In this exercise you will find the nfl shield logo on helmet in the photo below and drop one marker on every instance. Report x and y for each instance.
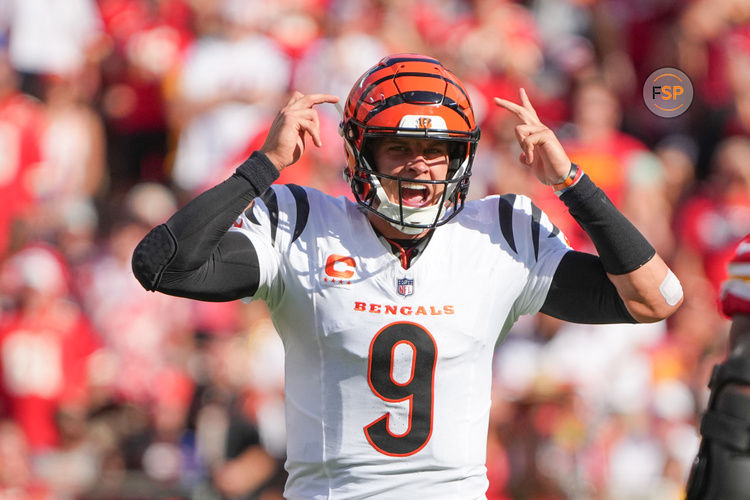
(405, 286)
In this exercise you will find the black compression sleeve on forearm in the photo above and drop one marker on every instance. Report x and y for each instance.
(621, 247)
(191, 254)
(581, 292)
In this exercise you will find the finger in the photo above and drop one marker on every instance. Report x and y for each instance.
(311, 100)
(509, 105)
(528, 149)
(530, 142)
(311, 127)
(316, 124)
(521, 138)
(296, 96)
(524, 130)
(307, 116)
(321, 98)
(314, 131)
(520, 112)
(527, 136)
(527, 103)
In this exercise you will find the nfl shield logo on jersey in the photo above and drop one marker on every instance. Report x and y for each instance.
(405, 286)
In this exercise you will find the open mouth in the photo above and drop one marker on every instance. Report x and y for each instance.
(414, 194)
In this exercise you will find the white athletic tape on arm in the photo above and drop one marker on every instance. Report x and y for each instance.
(671, 289)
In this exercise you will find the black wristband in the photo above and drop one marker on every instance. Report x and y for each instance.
(621, 247)
(259, 171)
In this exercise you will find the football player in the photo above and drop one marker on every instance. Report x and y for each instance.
(722, 468)
(390, 307)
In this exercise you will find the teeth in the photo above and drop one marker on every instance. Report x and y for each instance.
(410, 185)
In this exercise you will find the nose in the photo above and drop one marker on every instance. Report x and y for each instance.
(418, 163)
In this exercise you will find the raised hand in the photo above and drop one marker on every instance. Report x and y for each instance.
(298, 119)
(542, 151)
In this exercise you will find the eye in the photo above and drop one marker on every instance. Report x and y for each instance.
(437, 150)
(396, 148)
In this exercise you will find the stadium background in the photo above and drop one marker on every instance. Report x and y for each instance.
(115, 112)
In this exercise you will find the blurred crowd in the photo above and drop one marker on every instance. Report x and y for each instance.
(113, 113)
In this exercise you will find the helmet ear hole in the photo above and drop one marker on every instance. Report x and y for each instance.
(351, 132)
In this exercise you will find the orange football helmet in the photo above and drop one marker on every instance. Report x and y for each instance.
(409, 95)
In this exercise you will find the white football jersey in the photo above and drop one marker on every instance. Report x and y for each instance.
(388, 370)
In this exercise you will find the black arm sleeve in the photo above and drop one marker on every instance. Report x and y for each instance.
(192, 255)
(581, 292)
(621, 247)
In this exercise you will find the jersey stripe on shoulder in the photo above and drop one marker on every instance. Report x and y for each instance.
(505, 211)
(272, 204)
(536, 228)
(303, 209)
(250, 215)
